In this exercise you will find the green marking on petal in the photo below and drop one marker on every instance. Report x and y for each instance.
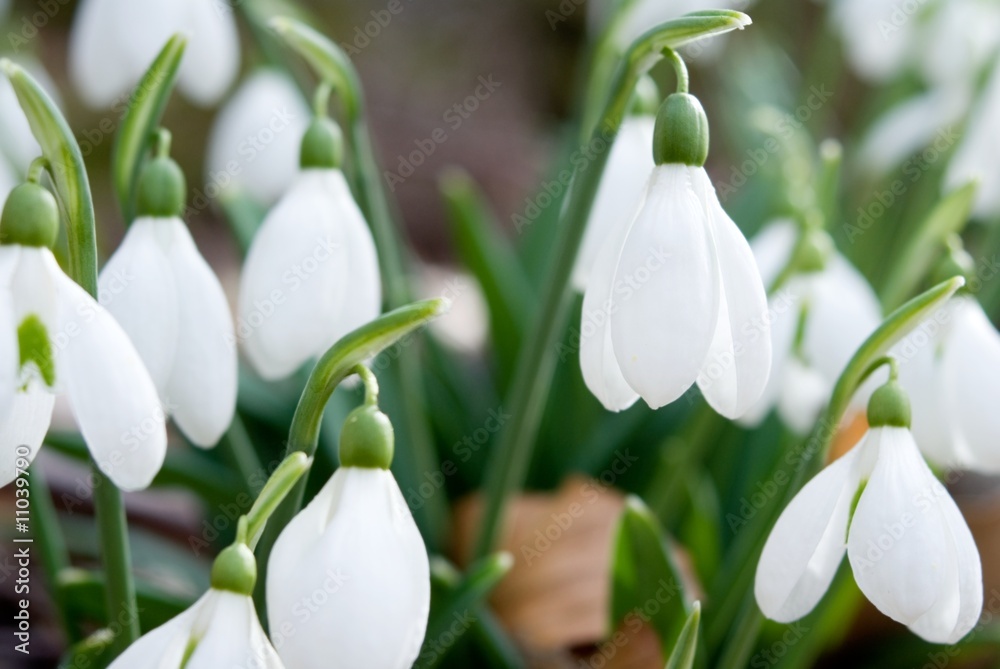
(33, 339)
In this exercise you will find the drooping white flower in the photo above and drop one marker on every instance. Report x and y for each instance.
(975, 155)
(951, 368)
(675, 297)
(630, 162)
(959, 37)
(254, 144)
(876, 45)
(356, 548)
(113, 42)
(218, 631)
(172, 306)
(818, 320)
(311, 275)
(55, 338)
(910, 549)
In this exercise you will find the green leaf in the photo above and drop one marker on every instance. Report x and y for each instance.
(277, 487)
(684, 651)
(947, 218)
(645, 580)
(493, 261)
(459, 608)
(69, 174)
(244, 217)
(35, 346)
(142, 118)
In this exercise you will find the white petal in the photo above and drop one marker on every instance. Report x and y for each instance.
(598, 363)
(356, 547)
(904, 548)
(9, 350)
(201, 394)
(619, 193)
(912, 126)
(212, 60)
(975, 156)
(230, 635)
(109, 390)
(99, 66)
(666, 291)
(25, 426)
(804, 394)
(959, 38)
(876, 47)
(736, 369)
(34, 288)
(267, 105)
(772, 248)
(296, 276)
(971, 360)
(803, 551)
(164, 646)
(137, 287)
(363, 298)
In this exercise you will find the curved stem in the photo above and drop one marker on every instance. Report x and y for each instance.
(680, 68)
(163, 140)
(321, 99)
(35, 169)
(371, 383)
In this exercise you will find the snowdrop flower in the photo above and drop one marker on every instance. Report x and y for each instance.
(218, 631)
(910, 549)
(311, 274)
(952, 372)
(55, 338)
(819, 318)
(112, 42)
(254, 144)
(357, 543)
(675, 296)
(877, 45)
(622, 183)
(172, 306)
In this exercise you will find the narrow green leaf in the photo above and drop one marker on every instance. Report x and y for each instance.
(277, 487)
(142, 117)
(69, 174)
(645, 579)
(684, 651)
(947, 218)
(493, 261)
(461, 606)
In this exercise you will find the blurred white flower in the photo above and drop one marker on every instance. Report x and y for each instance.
(311, 275)
(254, 144)
(620, 191)
(951, 368)
(840, 310)
(171, 305)
(959, 37)
(113, 42)
(466, 327)
(357, 544)
(218, 631)
(55, 338)
(975, 157)
(910, 549)
(675, 297)
(18, 146)
(878, 35)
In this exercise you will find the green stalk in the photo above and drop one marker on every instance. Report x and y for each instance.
(69, 175)
(536, 365)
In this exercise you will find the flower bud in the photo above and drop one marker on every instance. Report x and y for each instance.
(30, 217)
(322, 145)
(889, 406)
(162, 189)
(367, 439)
(235, 570)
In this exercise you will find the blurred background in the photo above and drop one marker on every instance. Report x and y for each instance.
(902, 89)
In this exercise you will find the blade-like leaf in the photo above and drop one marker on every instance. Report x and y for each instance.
(684, 651)
(69, 174)
(142, 117)
(645, 581)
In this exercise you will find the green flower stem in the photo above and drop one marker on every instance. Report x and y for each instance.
(35, 169)
(55, 556)
(738, 599)
(509, 459)
(404, 376)
(69, 175)
(281, 482)
(680, 69)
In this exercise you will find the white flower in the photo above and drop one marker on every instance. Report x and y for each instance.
(356, 546)
(841, 310)
(909, 547)
(78, 349)
(172, 306)
(258, 132)
(975, 156)
(220, 631)
(113, 42)
(877, 46)
(619, 193)
(675, 297)
(951, 368)
(310, 277)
